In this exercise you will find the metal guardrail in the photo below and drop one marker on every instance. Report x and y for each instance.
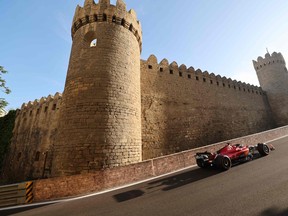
(16, 194)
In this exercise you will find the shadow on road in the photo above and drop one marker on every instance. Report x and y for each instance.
(17, 210)
(183, 178)
(167, 183)
(274, 212)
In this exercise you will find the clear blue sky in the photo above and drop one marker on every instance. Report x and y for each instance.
(220, 36)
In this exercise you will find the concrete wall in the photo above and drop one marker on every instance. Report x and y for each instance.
(183, 108)
(54, 188)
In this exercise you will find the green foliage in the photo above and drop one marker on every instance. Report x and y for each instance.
(6, 129)
(3, 88)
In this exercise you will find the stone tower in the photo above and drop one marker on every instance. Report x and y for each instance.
(100, 117)
(273, 78)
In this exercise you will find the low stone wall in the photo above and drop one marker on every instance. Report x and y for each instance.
(56, 188)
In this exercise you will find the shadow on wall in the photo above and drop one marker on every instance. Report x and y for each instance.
(166, 184)
(274, 211)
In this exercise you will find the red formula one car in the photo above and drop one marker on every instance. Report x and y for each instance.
(231, 154)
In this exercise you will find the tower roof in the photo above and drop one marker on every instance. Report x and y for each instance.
(268, 60)
(103, 11)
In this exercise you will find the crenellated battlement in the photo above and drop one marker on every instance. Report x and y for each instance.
(52, 102)
(106, 12)
(202, 76)
(268, 60)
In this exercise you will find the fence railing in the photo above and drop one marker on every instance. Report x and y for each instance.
(16, 194)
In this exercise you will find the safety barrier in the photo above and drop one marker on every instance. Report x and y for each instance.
(16, 194)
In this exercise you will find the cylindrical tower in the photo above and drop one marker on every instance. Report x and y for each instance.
(100, 117)
(273, 78)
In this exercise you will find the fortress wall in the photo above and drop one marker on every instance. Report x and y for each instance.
(183, 108)
(33, 135)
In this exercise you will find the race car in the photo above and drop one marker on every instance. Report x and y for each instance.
(231, 154)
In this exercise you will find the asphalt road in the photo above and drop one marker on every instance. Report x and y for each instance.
(259, 188)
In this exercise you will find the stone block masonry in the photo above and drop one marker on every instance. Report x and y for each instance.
(183, 108)
(100, 118)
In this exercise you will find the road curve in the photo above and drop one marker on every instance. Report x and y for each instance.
(256, 188)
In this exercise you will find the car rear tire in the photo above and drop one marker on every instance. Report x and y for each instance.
(263, 149)
(201, 163)
(224, 162)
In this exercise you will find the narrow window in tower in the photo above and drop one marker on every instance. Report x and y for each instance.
(204, 79)
(123, 22)
(229, 86)
(46, 108)
(131, 27)
(171, 71)
(180, 74)
(87, 19)
(104, 18)
(223, 84)
(211, 81)
(30, 112)
(189, 76)
(197, 78)
(54, 107)
(95, 17)
(217, 83)
(114, 19)
(93, 43)
(161, 69)
(150, 66)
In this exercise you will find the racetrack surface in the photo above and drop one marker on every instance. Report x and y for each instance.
(259, 188)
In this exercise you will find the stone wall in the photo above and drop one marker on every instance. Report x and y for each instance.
(31, 150)
(273, 77)
(60, 187)
(100, 116)
(184, 109)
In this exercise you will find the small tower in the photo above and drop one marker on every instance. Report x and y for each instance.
(100, 117)
(273, 78)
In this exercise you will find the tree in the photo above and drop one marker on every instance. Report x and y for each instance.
(3, 88)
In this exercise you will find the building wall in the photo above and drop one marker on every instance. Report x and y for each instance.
(31, 150)
(183, 108)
